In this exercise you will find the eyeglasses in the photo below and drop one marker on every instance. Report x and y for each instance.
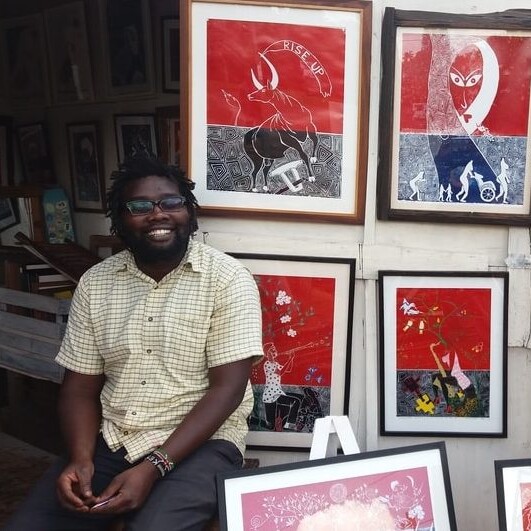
(141, 207)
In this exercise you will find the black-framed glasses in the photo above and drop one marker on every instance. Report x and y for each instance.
(140, 207)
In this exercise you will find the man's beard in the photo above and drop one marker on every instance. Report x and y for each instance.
(145, 252)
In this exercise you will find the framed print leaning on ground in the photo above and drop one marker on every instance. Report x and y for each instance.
(398, 488)
(513, 493)
(443, 353)
(86, 169)
(307, 307)
(455, 117)
(277, 106)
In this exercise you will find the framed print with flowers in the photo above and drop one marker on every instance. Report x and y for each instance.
(443, 353)
(450, 148)
(396, 488)
(307, 307)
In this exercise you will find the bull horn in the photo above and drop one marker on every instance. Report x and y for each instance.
(274, 74)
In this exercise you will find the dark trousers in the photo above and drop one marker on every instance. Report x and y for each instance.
(185, 499)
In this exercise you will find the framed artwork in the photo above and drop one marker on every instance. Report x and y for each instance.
(8, 214)
(398, 488)
(86, 167)
(448, 150)
(35, 154)
(443, 353)
(513, 493)
(23, 54)
(168, 126)
(170, 54)
(6, 151)
(135, 135)
(68, 48)
(277, 107)
(307, 308)
(128, 47)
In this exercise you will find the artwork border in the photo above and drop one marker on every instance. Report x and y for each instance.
(121, 120)
(168, 128)
(388, 205)
(6, 151)
(343, 271)
(350, 208)
(82, 94)
(92, 128)
(393, 424)
(16, 97)
(167, 25)
(509, 475)
(131, 89)
(232, 486)
(39, 172)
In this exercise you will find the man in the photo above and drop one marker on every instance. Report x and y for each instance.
(158, 349)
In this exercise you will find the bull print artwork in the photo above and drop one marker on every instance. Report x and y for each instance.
(275, 109)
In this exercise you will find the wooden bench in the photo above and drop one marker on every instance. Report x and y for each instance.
(31, 330)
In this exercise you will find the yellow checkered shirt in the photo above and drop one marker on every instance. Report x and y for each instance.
(156, 340)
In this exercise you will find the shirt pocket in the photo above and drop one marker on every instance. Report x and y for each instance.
(183, 346)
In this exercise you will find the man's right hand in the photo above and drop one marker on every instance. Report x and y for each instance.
(74, 488)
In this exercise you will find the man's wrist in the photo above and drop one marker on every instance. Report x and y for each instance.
(161, 461)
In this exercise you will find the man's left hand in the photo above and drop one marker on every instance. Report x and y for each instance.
(127, 491)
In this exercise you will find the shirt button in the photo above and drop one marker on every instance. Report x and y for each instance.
(143, 382)
(150, 318)
(133, 412)
(148, 351)
(126, 433)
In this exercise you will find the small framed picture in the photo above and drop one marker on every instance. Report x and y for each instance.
(443, 353)
(86, 168)
(513, 493)
(6, 151)
(399, 488)
(170, 54)
(307, 309)
(135, 135)
(169, 129)
(23, 54)
(127, 45)
(35, 154)
(68, 48)
(8, 214)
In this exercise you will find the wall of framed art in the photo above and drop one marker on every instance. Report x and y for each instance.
(384, 203)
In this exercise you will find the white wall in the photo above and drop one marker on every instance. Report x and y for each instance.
(378, 245)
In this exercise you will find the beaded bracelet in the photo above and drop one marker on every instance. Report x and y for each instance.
(161, 461)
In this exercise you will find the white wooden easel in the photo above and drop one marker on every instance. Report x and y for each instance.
(326, 433)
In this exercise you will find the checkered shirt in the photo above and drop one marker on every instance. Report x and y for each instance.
(155, 342)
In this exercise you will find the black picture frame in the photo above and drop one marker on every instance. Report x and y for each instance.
(443, 353)
(362, 486)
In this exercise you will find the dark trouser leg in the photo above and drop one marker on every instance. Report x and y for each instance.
(186, 499)
(41, 510)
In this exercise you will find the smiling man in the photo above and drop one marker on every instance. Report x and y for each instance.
(158, 349)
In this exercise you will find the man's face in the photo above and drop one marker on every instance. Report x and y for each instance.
(158, 236)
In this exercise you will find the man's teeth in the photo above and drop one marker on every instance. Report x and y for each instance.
(159, 232)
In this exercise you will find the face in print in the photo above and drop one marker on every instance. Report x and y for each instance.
(473, 83)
